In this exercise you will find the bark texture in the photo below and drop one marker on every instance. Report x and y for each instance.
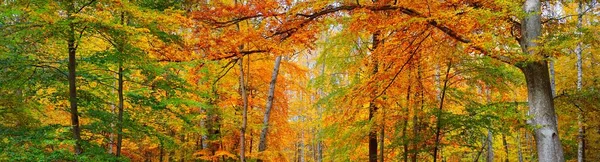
(541, 105)
(244, 113)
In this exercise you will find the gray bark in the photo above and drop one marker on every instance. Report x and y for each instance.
(244, 113)
(490, 137)
(262, 145)
(552, 78)
(490, 148)
(541, 105)
(578, 52)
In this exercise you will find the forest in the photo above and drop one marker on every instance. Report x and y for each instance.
(300, 80)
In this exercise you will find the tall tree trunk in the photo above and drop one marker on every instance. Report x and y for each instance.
(416, 124)
(372, 106)
(72, 47)
(541, 105)
(244, 112)
(120, 94)
(262, 145)
(580, 116)
(439, 115)
(320, 111)
(405, 124)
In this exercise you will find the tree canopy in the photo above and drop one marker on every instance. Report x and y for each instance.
(310, 80)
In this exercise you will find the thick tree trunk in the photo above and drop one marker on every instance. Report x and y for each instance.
(72, 81)
(542, 110)
(541, 105)
(244, 113)
(262, 145)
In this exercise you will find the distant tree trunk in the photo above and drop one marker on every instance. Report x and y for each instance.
(416, 124)
(505, 148)
(490, 137)
(111, 138)
(439, 115)
(405, 124)
(519, 151)
(320, 111)
(552, 78)
(262, 145)
(538, 86)
(373, 107)
(251, 139)
(301, 148)
(120, 94)
(490, 148)
(72, 47)
(244, 112)
(161, 154)
(381, 137)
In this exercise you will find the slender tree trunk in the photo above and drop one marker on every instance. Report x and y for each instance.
(405, 124)
(320, 111)
(372, 107)
(381, 138)
(439, 115)
(490, 148)
(301, 148)
(72, 47)
(505, 148)
(416, 124)
(251, 139)
(538, 86)
(519, 150)
(244, 112)
(262, 145)
(161, 153)
(490, 137)
(552, 78)
(580, 116)
(120, 113)
(120, 93)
